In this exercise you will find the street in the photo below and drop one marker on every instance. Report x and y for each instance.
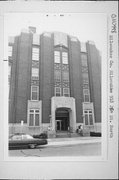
(93, 149)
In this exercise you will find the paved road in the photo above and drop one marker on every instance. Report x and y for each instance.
(69, 150)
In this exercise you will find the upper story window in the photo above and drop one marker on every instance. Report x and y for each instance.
(57, 75)
(56, 56)
(10, 50)
(36, 39)
(64, 57)
(83, 47)
(85, 77)
(86, 95)
(35, 72)
(35, 54)
(60, 39)
(65, 75)
(84, 59)
(88, 117)
(57, 91)
(66, 92)
(34, 92)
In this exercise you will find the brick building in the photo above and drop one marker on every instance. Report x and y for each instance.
(54, 81)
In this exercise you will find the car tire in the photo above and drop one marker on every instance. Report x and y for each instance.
(32, 146)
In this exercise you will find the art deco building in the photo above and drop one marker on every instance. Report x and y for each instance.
(54, 81)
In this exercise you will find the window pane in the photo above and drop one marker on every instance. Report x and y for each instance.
(86, 98)
(64, 57)
(83, 47)
(66, 92)
(35, 54)
(34, 96)
(65, 76)
(84, 60)
(31, 119)
(57, 91)
(86, 119)
(57, 57)
(36, 39)
(34, 88)
(57, 75)
(37, 111)
(31, 111)
(34, 92)
(85, 78)
(35, 72)
(36, 119)
(35, 50)
(91, 119)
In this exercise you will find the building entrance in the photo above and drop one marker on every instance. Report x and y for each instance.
(62, 119)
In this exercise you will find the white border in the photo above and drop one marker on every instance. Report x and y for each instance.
(50, 170)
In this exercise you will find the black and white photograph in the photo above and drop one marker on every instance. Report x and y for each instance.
(54, 77)
(59, 87)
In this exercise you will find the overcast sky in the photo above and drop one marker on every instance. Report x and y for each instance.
(85, 26)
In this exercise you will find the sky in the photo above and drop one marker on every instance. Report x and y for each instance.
(85, 26)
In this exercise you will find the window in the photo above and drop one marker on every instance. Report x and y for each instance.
(66, 92)
(86, 95)
(84, 59)
(10, 51)
(57, 75)
(35, 54)
(85, 78)
(34, 117)
(57, 91)
(64, 57)
(83, 47)
(65, 75)
(35, 73)
(36, 39)
(88, 117)
(34, 92)
(57, 57)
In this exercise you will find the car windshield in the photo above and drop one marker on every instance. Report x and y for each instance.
(21, 137)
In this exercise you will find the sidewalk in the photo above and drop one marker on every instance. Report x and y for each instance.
(73, 141)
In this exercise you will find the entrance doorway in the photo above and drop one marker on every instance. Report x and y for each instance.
(62, 119)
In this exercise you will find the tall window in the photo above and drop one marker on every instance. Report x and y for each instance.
(57, 75)
(85, 78)
(83, 47)
(34, 92)
(35, 73)
(84, 59)
(66, 92)
(34, 117)
(36, 39)
(35, 54)
(65, 75)
(57, 91)
(86, 95)
(64, 57)
(56, 56)
(88, 117)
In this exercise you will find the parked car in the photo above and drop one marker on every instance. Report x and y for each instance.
(97, 134)
(41, 136)
(25, 140)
